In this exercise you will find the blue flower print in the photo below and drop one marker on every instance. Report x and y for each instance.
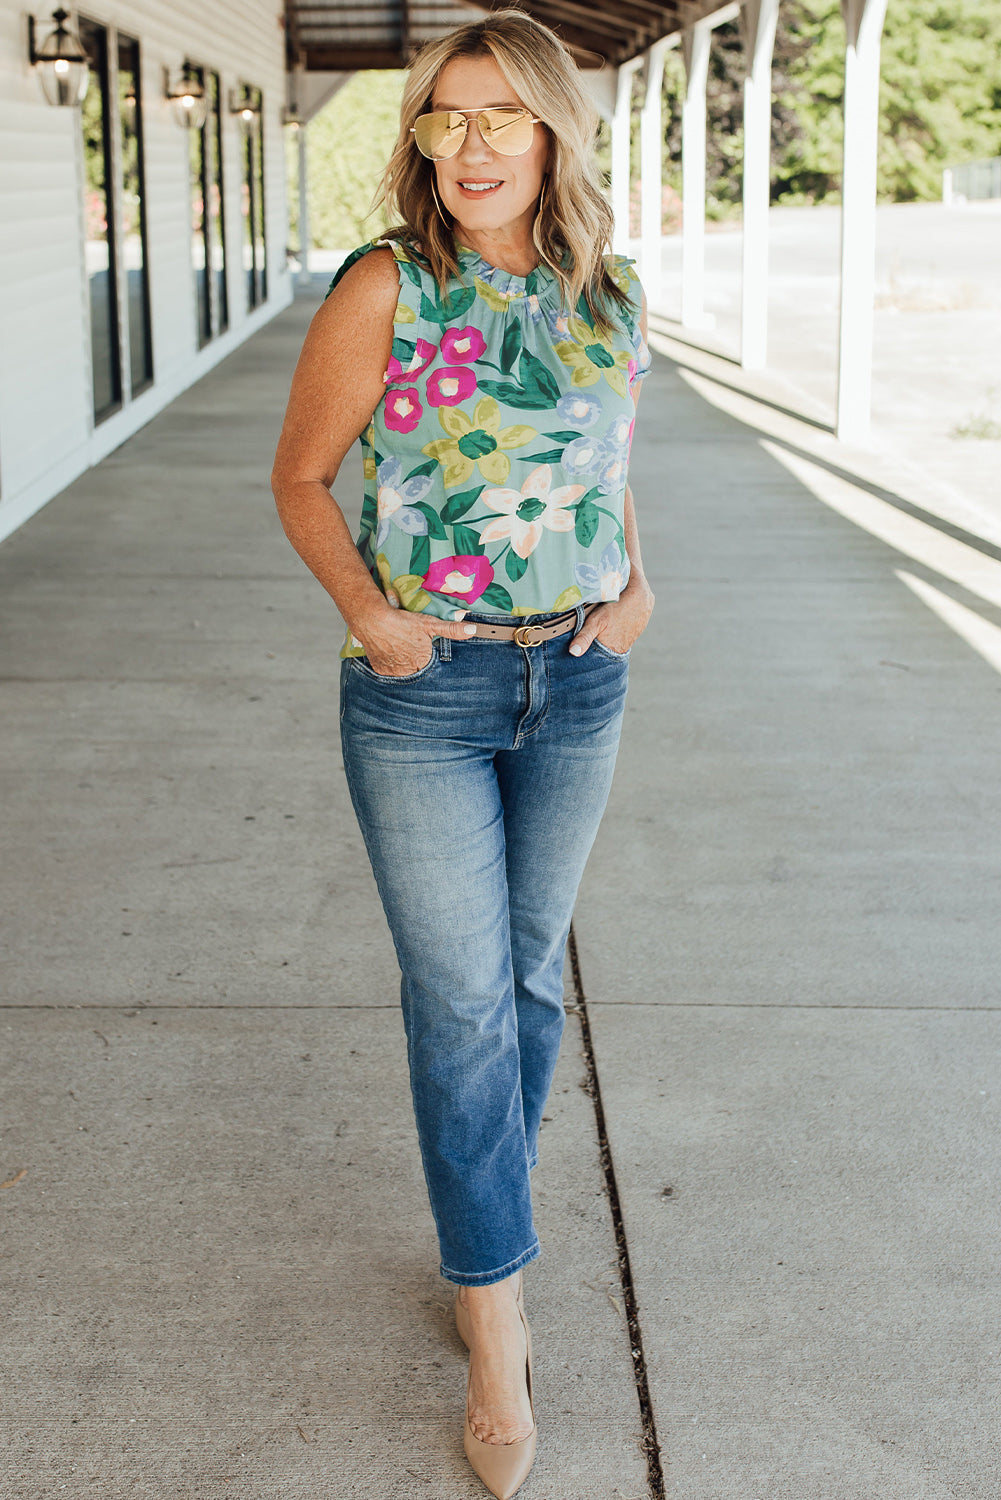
(620, 432)
(578, 409)
(397, 501)
(608, 578)
(583, 456)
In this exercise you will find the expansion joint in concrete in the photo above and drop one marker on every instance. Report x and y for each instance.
(655, 1471)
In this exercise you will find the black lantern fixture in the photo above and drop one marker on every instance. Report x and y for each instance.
(245, 103)
(61, 62)
(187, 98)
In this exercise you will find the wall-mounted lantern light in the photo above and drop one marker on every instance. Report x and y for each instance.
(187, 97)
(245, 102)
(61, 61)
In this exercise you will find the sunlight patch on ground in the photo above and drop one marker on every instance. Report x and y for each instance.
(984, 637)
(915, 539)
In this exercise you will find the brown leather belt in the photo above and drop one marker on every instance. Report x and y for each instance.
(530, 635)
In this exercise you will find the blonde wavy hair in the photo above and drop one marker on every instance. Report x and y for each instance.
(573, 226)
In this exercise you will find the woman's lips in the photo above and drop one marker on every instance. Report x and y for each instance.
(479, 190)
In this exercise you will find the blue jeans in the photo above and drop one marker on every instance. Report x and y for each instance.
(479, 783)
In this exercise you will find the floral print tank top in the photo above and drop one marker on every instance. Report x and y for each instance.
(495, 465)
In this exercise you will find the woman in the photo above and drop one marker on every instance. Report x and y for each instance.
(487, 353)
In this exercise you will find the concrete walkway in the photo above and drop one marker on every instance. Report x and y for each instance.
(218, 1266)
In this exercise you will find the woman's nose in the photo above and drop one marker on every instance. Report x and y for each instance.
(474, 146)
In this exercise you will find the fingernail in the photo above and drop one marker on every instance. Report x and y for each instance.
(576, 650)
(458, 614)
(469, 630)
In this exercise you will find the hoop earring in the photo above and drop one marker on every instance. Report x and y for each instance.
(437, 204)
(542, 197)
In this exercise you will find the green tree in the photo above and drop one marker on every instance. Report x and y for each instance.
(348, 145)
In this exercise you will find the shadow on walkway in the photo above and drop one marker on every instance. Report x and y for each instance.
(219, 1263)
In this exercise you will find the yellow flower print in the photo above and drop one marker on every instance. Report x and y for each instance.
(477, 440)
(621, 275)
(368, 462)
(589, 357)
(524, 512)
(496, 301)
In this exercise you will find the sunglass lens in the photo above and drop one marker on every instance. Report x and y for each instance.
(439, 134)
(508, 131)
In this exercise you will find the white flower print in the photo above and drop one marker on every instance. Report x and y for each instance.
(525, 512)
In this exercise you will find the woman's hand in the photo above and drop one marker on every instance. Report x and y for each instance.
(617, 624)
(398, 643)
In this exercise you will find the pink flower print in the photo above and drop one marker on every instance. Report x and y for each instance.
(450, 386)
(423, 355)
(524, 512)
(462, 577)
(459, 346)
(403, 411)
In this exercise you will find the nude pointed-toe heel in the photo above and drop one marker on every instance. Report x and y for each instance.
(462, 1313)
(504, 1467)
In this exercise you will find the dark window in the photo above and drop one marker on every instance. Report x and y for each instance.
(208, 239)
(134, 216)
(99, 231)
(254, 238)
(200, 253)
(217, 216)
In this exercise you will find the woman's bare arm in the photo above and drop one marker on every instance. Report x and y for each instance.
(337, 385)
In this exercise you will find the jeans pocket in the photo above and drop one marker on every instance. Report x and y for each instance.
(361, 664)
(607, 651)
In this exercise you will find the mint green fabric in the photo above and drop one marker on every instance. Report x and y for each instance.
(495, 465)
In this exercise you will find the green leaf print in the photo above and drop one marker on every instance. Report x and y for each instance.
(369, 514)
(404, 351)
(512, 395)
(498, 598)
(515, 567)
(435, 528)
(510, 347)
(551, 456)
(409, 270)
(420, 555)
(466, 542)
(443, 312)
(563, 437)
(587, 523)
(426, 468)
(534, 372)
(457, 505)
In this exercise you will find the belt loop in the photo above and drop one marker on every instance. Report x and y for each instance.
(444, 648)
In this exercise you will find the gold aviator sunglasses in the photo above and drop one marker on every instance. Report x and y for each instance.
(441, 133)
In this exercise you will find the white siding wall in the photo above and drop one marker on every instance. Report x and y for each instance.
(47, 433)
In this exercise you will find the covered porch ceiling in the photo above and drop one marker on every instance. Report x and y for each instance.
(342, 36)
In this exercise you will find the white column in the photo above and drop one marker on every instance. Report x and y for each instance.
(758, 18)
(620, 153)
(303, 278)
(652, 171)
(864, 25)
(695, 46)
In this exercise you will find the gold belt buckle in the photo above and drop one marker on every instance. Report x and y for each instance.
(524, 637)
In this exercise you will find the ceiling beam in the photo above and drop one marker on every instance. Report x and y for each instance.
(590, 17)
(340, 59)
